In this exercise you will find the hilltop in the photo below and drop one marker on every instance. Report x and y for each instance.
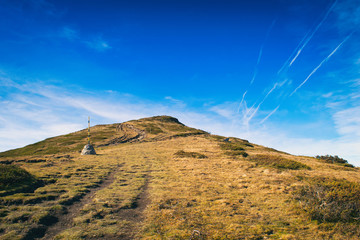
(155, 178)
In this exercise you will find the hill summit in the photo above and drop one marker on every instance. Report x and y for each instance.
(155, 178)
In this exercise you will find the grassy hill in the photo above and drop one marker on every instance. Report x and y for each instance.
(155, 178)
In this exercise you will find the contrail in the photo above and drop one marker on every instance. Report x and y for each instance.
(322, 62)
(269, 115)
(242, 100)
(249, 113)
(308, 36)
(312, 34)
(261, 51)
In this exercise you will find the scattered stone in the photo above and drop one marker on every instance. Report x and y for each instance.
(88, 150)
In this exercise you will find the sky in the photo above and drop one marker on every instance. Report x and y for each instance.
(283, 74)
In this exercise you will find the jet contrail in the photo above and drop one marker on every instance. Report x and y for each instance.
(242, 100)
(249, 113)
(261, 51)
(269, 115)
(322, 62)
(308, 36)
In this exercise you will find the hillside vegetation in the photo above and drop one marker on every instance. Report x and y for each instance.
(155, 178)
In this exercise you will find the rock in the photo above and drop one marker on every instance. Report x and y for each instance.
(88, 150)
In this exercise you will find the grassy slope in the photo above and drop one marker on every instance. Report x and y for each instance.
(224, 195)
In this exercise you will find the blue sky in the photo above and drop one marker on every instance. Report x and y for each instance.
(284, 74)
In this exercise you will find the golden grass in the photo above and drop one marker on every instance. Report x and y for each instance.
(222, 196)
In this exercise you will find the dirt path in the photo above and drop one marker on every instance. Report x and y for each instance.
(130, 133)
(65, 221)
(134, 216)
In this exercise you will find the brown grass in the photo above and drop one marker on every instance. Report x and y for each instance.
(219, 197)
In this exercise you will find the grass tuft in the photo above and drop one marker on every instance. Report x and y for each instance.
(183, 154)
(237, 153)
(232, 146)
(277, 162)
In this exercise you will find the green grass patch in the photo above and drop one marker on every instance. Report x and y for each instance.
(152, 128)
(65, 143)
(183, 154)
(330, 200)
(165, 119)
(277, 162)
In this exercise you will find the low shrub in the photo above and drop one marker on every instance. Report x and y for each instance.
(330, 200)
(237, 153)
(13, 176)
(335, 160)
(182, 154)
(232, 146)
(277, 162)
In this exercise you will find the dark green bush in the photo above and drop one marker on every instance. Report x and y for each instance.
(237, 153)
(335, 160)
(232, 146)
(277, 162)
(330, 200)
(182, 153)
(13, 176)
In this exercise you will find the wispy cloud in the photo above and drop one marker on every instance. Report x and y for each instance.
(348, 15)
(96, 42)
(99, 44)
(347, 121)
(177, 102)
(36, 110)
(69, 33)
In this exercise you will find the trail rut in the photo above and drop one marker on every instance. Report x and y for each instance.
(66, 220)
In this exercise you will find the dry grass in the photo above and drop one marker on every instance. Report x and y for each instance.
(223, 196)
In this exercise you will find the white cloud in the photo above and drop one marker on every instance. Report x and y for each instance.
(177, 102)
(348, 121)
(37, 111)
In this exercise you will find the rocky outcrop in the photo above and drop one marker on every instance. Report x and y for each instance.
(88, 150)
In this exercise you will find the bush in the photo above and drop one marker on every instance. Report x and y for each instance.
(237, 153)
(232, 146)
(14, 176)
(182, 154)
(330, 200)
(278, 162)
(334, 159)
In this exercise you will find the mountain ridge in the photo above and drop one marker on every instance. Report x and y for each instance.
(179, 183)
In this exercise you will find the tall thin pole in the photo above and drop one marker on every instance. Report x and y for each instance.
(89, 130)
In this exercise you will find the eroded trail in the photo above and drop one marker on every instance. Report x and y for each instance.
(114, 209)
(65, 220)
(132, 217)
